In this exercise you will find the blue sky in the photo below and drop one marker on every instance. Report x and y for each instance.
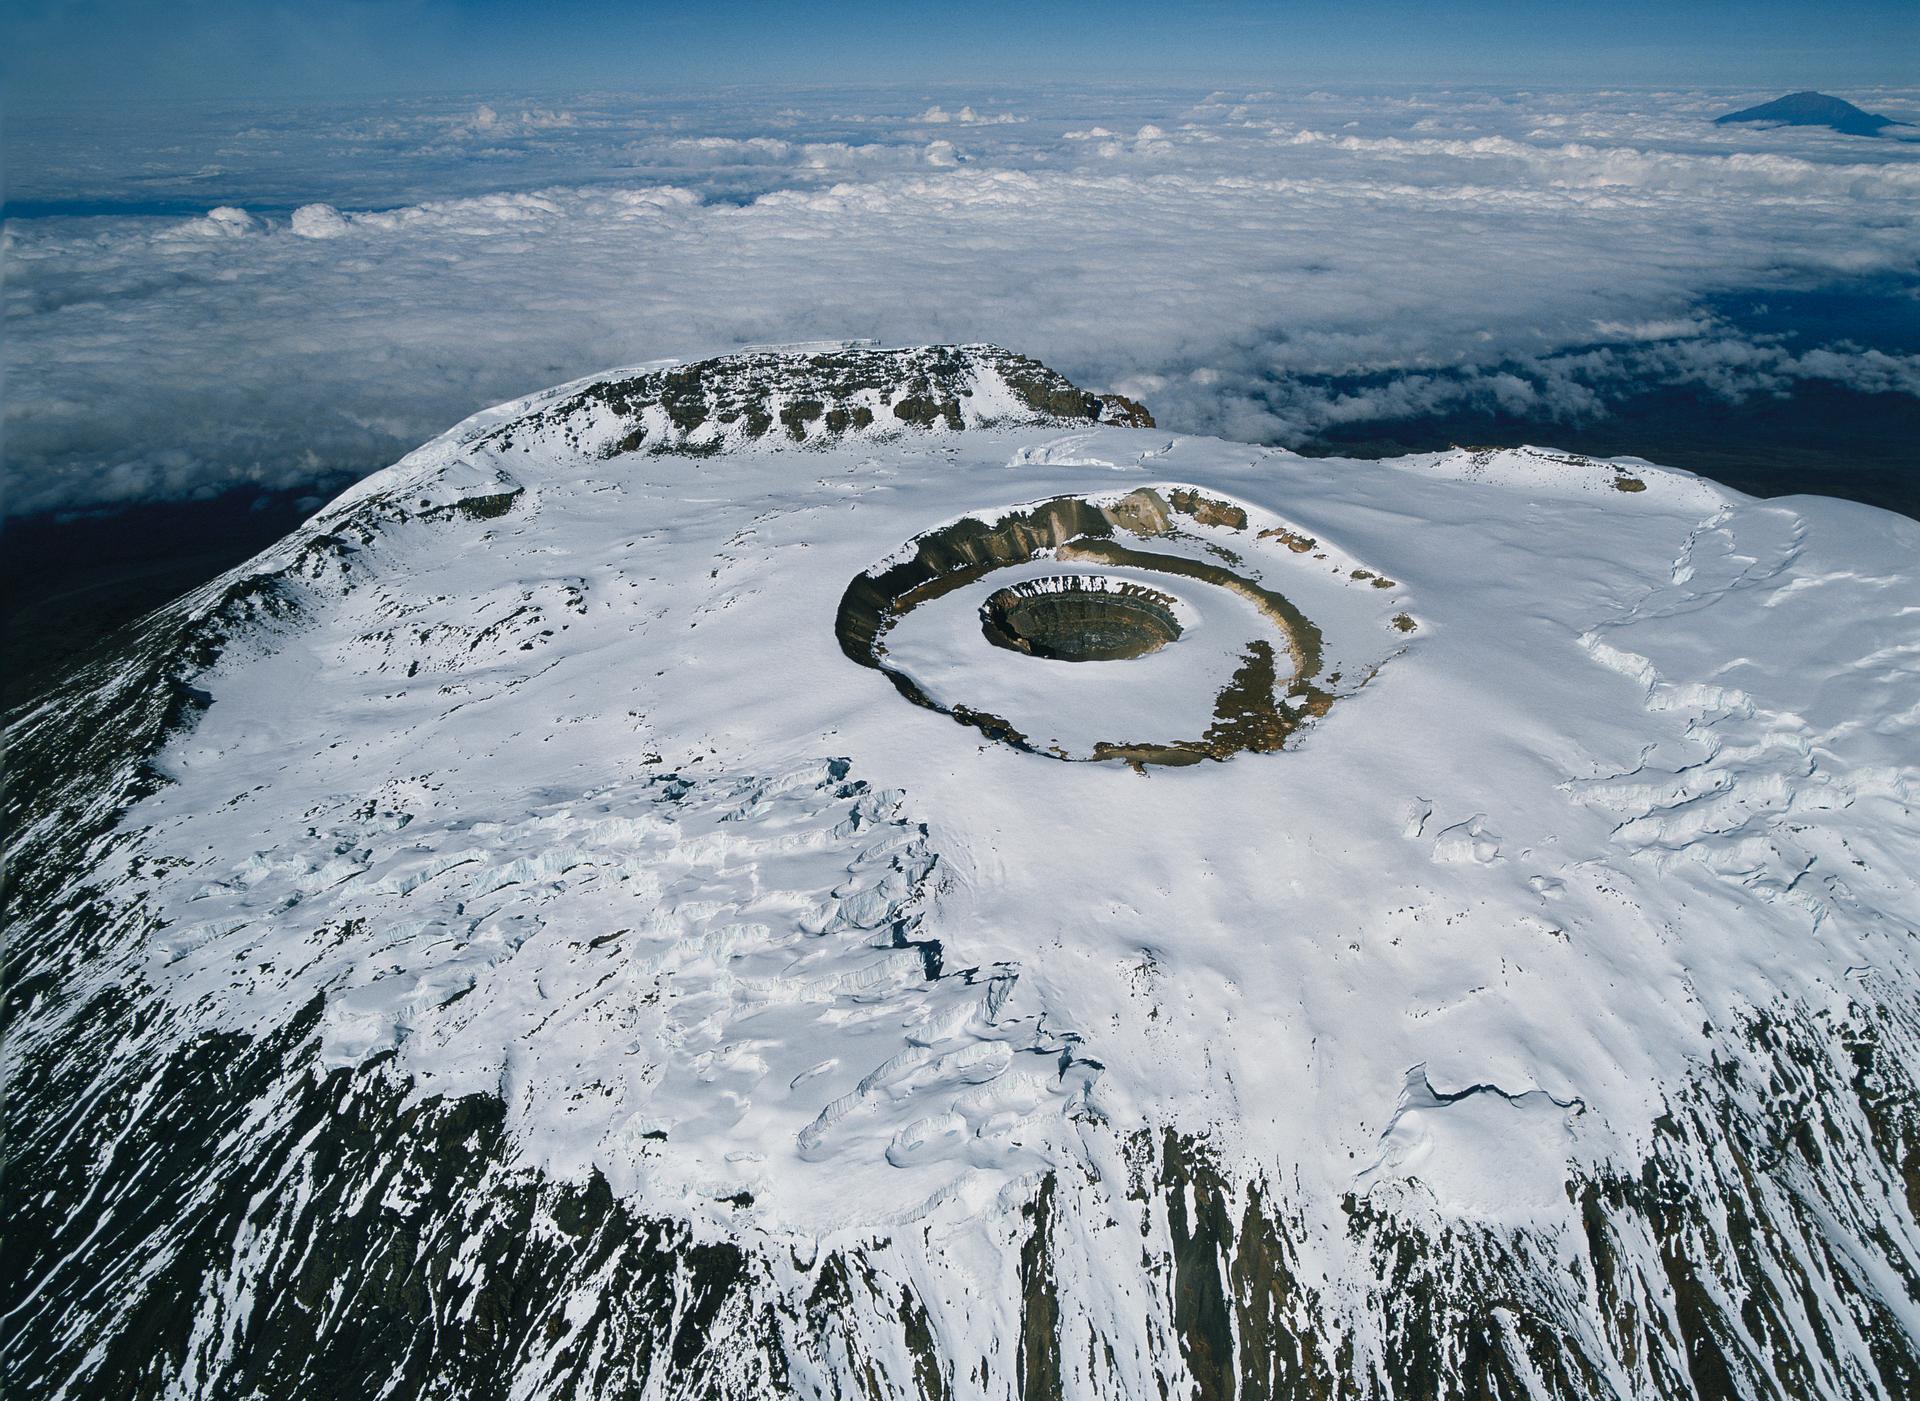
(89, 49)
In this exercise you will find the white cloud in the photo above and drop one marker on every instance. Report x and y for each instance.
(485, 122)
(1260, 269)
(319, 221)
(937, 115)
(222, 222)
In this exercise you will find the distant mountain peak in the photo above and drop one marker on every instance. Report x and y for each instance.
(1814, 109)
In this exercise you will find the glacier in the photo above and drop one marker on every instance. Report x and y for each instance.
(501, 941)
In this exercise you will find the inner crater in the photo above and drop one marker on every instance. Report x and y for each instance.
(1080, 618)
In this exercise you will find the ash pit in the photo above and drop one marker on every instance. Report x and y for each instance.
(1080, 618)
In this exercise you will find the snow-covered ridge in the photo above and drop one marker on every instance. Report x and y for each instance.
(499, 943)
(812, 393)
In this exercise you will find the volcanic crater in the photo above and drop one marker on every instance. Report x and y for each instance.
(1080, 618)
(1251, 679)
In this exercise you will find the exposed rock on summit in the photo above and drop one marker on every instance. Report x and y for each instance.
(814, 398)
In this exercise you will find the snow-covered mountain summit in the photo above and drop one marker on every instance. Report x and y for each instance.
(877, 872)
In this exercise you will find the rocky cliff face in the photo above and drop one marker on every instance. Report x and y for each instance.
(498, 943)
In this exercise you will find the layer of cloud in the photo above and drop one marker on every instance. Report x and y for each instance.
(1255, 266)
